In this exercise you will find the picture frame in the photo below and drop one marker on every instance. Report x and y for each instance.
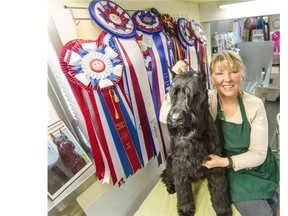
(66, 159)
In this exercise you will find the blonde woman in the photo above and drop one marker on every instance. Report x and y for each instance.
(252, 169)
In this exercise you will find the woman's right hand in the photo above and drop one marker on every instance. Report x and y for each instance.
(180, 66)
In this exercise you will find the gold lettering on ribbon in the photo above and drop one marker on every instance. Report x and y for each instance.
(124, 136)
(120, 125)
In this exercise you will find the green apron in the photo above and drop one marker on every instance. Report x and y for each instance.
(250, 183)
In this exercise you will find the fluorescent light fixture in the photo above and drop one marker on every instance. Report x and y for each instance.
(238, 5)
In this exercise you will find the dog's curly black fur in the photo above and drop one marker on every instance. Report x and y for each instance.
(193, 137)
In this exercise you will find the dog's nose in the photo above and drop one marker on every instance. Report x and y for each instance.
(177, 117)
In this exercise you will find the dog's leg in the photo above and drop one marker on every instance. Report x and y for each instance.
(218, 187)
(185, 199)
(167, 176)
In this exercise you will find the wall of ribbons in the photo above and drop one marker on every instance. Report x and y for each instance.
(119, 80)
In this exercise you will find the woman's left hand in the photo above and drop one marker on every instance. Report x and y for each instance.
(216, 161)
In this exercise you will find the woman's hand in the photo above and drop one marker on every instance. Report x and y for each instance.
(180, 66)
(216, 161)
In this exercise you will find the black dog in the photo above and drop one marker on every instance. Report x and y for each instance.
(193, 136)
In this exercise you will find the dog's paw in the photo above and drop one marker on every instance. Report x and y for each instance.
(171, 189)
(186, 210)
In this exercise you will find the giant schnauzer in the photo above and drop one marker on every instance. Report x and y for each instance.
(193, 137)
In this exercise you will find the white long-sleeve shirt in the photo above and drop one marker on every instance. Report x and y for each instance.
(257, 117)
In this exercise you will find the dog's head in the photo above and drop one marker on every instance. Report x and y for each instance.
(64, 144)
(188, 94)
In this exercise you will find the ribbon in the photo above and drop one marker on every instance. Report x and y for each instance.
(156, 51)
(161, 59)
(98, 158)
(201, 48)
(141, 100)
(184, 32)
(198, 32)
(154, 44)
(187, 39)
(170, 26)
(112, 18)
(97, 69)
(122, 130)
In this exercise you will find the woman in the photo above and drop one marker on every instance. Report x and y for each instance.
(241, 119)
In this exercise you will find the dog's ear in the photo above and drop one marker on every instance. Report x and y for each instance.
(201, 68)
(60, 131)
(52, 136)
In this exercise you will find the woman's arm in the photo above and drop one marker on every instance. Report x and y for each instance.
(257, 150)
(164, 110)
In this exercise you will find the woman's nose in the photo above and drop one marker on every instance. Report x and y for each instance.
(227, 76)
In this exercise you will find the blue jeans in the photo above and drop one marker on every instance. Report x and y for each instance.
(258, 207)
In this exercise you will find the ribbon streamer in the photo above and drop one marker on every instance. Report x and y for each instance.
(157, 53)
(119, 30)
(98, 69)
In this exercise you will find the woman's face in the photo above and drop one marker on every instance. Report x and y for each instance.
(227, 81)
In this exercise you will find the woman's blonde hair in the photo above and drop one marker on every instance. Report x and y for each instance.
(227, 59)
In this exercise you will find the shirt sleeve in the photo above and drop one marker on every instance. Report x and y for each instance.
(164, 110)
(257, 150)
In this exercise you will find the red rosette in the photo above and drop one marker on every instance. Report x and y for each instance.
(90, 65)
(169, 23)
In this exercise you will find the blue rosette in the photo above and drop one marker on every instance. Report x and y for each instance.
(147, 22)
(184, 33)
(112, 18)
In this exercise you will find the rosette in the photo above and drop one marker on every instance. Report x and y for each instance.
(112, 18)
(184, 32)
(169, 24)
(170, 27)
(201, 48)
(65, 53)
(198, 32)
(147, 22)
(94, 67)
